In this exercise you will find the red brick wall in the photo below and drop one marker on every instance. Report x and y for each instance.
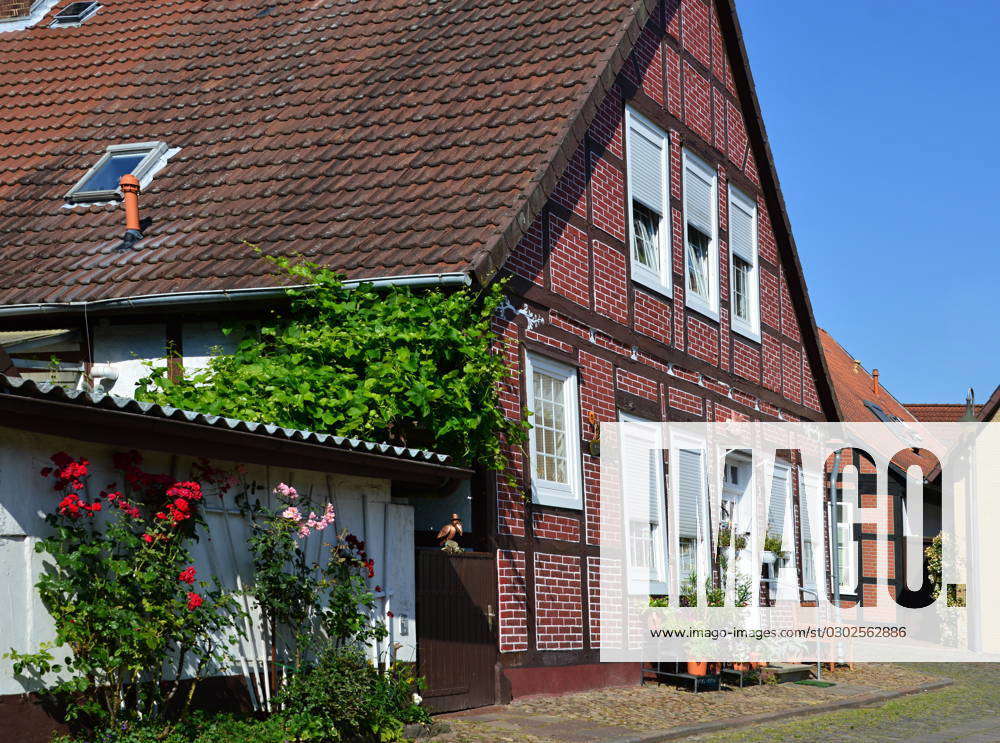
(552, 526)
(635, 348)
(14, 8)
(558, 602)
(513, 601)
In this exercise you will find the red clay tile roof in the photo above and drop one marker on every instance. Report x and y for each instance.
(379, 138)
(854, 385)
(938, 412)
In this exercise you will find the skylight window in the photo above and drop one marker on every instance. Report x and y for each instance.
(74, 14)
(100, 183)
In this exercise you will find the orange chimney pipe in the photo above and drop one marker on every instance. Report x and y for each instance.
(875, 381)
(129, 185)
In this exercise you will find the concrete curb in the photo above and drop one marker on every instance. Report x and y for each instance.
(702, 728)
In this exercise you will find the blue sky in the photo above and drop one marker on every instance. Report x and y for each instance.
(884, 120)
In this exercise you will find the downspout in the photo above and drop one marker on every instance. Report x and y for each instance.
(832, 510)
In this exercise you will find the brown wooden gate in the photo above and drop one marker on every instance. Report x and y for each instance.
(456, 621)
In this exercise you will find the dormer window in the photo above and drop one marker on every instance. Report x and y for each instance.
(100, 183)
(74, 14)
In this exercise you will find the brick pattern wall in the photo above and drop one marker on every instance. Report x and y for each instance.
(14, 8)
(513, 601)
(552, 526)
(558, 602)
(635, 348)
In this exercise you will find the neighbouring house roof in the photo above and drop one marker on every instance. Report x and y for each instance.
(98, 416)
(990, 411)
(20, 339)
(855, 389)
(938, 412)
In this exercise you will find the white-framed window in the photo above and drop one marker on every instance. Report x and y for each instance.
(808, 566)
(648, 198)
(645, 503)
(778, 502)
(74, 14)
(807, 484)
(690, 481)
(701, 255)
(554, 439)
(744, 297)
(688, 561)
(845, 552)
(100, 183)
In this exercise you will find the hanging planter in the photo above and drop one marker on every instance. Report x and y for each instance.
(769, 558)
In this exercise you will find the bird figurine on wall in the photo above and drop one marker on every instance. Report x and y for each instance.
(448, 535)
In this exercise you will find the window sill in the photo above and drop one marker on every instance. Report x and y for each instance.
(699, 305)
(640, 587)
(746, 332)
(655, 286)
(552, 500)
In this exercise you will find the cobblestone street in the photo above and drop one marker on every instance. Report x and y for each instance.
(969, 710)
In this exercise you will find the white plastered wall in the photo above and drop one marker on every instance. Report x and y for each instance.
(363, 506)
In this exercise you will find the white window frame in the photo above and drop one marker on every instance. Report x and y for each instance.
(844, 533)
(657, 281)
(547, 492)
(707, 306)
(702, 559)
(808, 565)
(749, 328)
(62, 23)
(655, 582)
(152, 152)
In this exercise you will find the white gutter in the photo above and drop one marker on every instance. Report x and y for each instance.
(216, 295)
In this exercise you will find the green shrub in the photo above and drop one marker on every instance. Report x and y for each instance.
(199, 728)
(344, 697)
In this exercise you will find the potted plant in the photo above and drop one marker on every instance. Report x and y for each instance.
(772, 549)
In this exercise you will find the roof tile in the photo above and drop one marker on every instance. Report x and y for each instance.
(379, 138)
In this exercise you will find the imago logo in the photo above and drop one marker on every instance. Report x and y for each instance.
(797, 540)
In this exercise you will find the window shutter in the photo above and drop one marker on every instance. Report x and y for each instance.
(646, 167)
(689, 489)
(642, 473)
(804, 510)
(698, 200)
(776, 506)
(741, 219)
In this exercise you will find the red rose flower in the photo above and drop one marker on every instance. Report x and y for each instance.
(194, 601)
(187, 576)
(61, 458)
(147, 538)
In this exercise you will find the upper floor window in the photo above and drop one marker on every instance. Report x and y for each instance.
(745, 294)
(701, 257)
(648, 202)
(554, 437)
(100, 183)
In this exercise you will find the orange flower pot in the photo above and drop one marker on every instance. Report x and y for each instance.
(697, 668)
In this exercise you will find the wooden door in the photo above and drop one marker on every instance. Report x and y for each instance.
(456, 621)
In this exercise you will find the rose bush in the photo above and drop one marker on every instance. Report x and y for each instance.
(124, 597)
